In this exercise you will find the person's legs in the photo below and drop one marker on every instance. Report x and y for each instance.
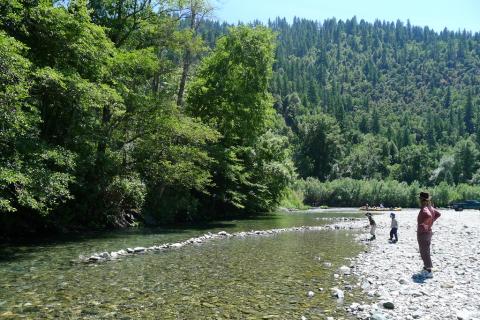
(394, 232)
(391, 234)
(424, 240)
(372, 231)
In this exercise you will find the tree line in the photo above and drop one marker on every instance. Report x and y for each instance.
(378, 101)
(112, 111)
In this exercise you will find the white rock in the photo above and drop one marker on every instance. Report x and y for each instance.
(345, 270)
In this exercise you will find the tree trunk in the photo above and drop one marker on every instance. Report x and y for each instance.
(183, 80)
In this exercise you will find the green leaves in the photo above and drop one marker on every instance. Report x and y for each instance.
(320, 147)
(33, 175)
(231, 89)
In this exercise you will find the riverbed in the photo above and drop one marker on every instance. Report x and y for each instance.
(235, 278)
(388, 271)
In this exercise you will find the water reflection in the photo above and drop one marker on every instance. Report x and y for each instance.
(235, 278)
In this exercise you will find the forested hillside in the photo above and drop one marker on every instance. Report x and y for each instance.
(378, 101)
(115, 112)
(398, 101)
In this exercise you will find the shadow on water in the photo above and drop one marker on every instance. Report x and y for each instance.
(23, 248)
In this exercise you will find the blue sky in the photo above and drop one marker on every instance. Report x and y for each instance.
(437, 14)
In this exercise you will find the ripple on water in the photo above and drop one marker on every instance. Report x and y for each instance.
(240, 278)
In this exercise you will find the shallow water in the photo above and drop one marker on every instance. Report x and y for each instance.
(235, 278)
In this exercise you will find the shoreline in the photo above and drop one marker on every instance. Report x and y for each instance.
(385, 270)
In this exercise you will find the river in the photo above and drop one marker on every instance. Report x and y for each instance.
(259, 277)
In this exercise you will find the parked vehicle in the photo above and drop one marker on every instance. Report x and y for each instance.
(467, 204)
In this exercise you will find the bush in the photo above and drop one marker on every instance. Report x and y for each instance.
(391, 193)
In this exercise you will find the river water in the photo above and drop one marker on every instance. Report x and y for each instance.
(258, 277)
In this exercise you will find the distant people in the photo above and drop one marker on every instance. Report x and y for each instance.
(381, 206)
(393, 228)
(373, 225)
(426, 218)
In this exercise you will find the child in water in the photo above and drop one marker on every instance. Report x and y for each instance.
(394, 228)
(373, 225)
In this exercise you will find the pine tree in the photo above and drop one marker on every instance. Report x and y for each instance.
(468, 115)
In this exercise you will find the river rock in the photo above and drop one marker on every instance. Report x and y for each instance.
(378, 316)
(417, 314)
(94, 259)
(354, 306)
(345, 270)
(310, 294)
(138, 249)
(337, 293)
(104, 255)
(348, 287)
(389, 305)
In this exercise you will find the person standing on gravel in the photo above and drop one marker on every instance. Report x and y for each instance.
(426, 217)
(373, 225)
(393, 228)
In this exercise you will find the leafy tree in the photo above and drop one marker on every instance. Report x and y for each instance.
(33, 174)
(365, 160)
(466, 160)
(230, 93)
(321, 146)
(415, 164)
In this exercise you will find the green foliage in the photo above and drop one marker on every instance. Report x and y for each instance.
(321, 145)
(94, 129)
(413, 89)
(350, 193)
(124, 195)
(366, 160)
(230, 93)
(33, 175)
(293, 198)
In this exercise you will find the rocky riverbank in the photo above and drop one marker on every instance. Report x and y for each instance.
(385, 270)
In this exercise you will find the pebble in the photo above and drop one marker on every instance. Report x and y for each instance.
(337, 293)
(385, 271)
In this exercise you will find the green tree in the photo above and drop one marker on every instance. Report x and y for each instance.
(321, 146)
(365, 160)
(415, 164)
(33, 174)
(468, 115)
(230, 94)
(466, 160)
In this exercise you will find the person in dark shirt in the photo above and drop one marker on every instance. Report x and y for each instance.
(393, 229)
(373, 225)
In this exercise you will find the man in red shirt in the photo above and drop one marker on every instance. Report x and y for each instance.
(426, 217)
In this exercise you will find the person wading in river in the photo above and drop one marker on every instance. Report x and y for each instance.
(426, 218)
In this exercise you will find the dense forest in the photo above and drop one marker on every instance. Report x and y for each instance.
(366, 103)
(114, 112)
